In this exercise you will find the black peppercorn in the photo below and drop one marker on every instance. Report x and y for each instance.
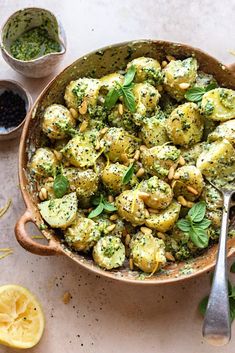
(12, 110)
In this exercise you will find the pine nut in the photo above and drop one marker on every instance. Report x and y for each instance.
(137, 155)
(159, 88)
(114, 217)
(152, 210)
(164, 63)
(104, 130)
(182, 200)
(43, 194)
(97, 145)
(181, 160)
(58, 155)
(50, 179)
(110, 198)
(190, 204)
(170, 58)
(176, 177)
(169, 256)
(171, 173)
(140, 172)
(74, 113)
(83, 108)
(184, 85)
(146, 212)
(83, 126)
(120, 109)
(143, 195)
(146, 231)
(131, 264)
(143, 148)
(111, 227)
(124, 158)
(127, 239)
(192, 190)
(161, 235)
(173, 183)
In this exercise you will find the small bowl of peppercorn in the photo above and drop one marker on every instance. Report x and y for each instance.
(33, 42)
(15, 103)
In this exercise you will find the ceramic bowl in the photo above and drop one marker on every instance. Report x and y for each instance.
(15, 87)
(22, 21)
(105, 61)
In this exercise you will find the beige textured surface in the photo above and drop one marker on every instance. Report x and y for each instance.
(105, 316)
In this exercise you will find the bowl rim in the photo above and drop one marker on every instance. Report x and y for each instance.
(28, 199)
(29, 102)
(62, 43)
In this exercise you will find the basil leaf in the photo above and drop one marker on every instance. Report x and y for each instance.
(60, 185)
(128, 98)
(232, 268)
(211, 86)
(203, 305)
(199, 237)
(197, 212)
(108, 206)
(194, 94)
(97, 211)
(112, 97)
(205, 223)
(96, 200)
(184, 225)
(129, 76)
(128, 174)
(232, 308)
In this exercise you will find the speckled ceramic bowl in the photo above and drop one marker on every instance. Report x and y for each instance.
(105, 61)
(15, 87)
(22, 21)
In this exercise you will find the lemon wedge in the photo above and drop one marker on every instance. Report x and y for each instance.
(21, 318)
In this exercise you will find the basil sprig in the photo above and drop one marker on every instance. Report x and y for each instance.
(195, 225)
(195, 93)
(60, 185)
(124, 91)
(127, 175)
(101, 205)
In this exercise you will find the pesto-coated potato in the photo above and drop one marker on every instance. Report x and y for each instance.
(112, 178)
(153, 132)
(188, 177)
(103, 222)
(158, 160)
(109, 252)
(123, 120)
(147, 69)
(146, 99)
(179, 72)
(56, 122)
(185, 125)
(219, 104)
(165, 219)
(215, 216)
(43, 163)
(203, 79)
(160, 193)
(131, 207)
(83, 234)
(147, 252)
(116, 143)
(224, 130)
(191, 154)
(80, 150)
(212, 197)
(84, 182)
(82, 89)
(110, 81)
(218, 160)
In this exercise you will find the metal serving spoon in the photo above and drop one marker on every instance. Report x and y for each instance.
(217, 325)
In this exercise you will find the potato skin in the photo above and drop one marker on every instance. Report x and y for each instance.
(147, 69)
(112, 178)
(224, 130)
(84, 182)
(56, 122)
(131, 207)
(153, 132)
(185, 125)
(43, 163)
(164, 220)
(219, 104)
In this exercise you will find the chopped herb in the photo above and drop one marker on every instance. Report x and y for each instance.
(60, 186)
(128, 174)
(102, 205)
(195, 93)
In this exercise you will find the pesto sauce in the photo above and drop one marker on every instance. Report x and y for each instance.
(33, 44)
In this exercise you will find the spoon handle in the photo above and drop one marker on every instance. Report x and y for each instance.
(217, 326)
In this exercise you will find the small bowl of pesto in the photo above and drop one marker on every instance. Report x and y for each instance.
(33, 42)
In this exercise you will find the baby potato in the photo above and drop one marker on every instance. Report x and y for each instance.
(147, 252)
(218, 160)
(189, 182)
(179, 76)
(191, 154)
(224, 130)
(123, 120)
(118, 144)
(56, 121)
(80, 150)
(147, 69)
(203, 79)
(158, 160)
(165, 219)
(146, 98)
(131, 207)
(83, 89)
(185, 125)
(83, 234)
(212, 197)
(43, 163)
(103, 223)
(84, 182)
(110, 81)
(112, 178)
(215, 216)
(160, 193)
(153, 132)
(219, 104)
(109, 252)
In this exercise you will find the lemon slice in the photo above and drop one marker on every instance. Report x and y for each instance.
(21, 318)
